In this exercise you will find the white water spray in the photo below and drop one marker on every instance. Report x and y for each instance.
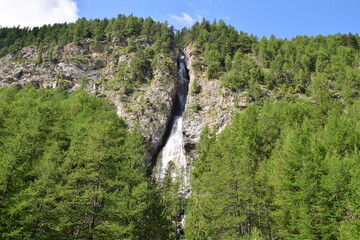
(173, 150)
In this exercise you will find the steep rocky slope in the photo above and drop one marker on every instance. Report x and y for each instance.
(207, 104)
(95, 68)
(147, 107)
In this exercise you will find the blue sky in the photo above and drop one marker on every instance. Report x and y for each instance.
(284, 19)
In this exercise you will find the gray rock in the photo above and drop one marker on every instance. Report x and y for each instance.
(213, 106)
(29, 52)
(72, 67)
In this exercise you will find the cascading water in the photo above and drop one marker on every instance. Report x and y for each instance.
(173, 151)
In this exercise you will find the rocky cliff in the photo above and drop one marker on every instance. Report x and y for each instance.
(207, 104)
(95, 68)
(146, 106)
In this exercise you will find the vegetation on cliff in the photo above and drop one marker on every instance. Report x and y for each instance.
(243, 62)
(123, 29)
(287, 167)
(283, 170)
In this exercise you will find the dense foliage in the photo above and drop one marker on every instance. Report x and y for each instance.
(122, 29)
(242, 61)
(286, 168)
(280, 171)
(69, 169)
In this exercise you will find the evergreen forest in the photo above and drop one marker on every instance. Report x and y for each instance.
(287, 167)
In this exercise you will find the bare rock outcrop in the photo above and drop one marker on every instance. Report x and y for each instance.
(94, 69)
(207, 104)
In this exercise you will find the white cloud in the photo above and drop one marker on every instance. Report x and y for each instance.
(33, 13)
(185, 19)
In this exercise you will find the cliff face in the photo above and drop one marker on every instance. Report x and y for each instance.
(146, 107)
(148, 104)
(64, 66)
(151, 107)
(207, 104)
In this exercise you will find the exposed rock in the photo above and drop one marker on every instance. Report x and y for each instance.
(91, 67)
(49, 84)
(151, 108)
(212, 106)
(3, 84)
(7, 58)
(73, 50)
(29, 52)
(148, 108)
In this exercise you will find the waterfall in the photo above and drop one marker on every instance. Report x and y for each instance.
(173, 151)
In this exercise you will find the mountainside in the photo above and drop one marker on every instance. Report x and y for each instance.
(270, 130)
(135, 74)
(209, 104)
(132, 61)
